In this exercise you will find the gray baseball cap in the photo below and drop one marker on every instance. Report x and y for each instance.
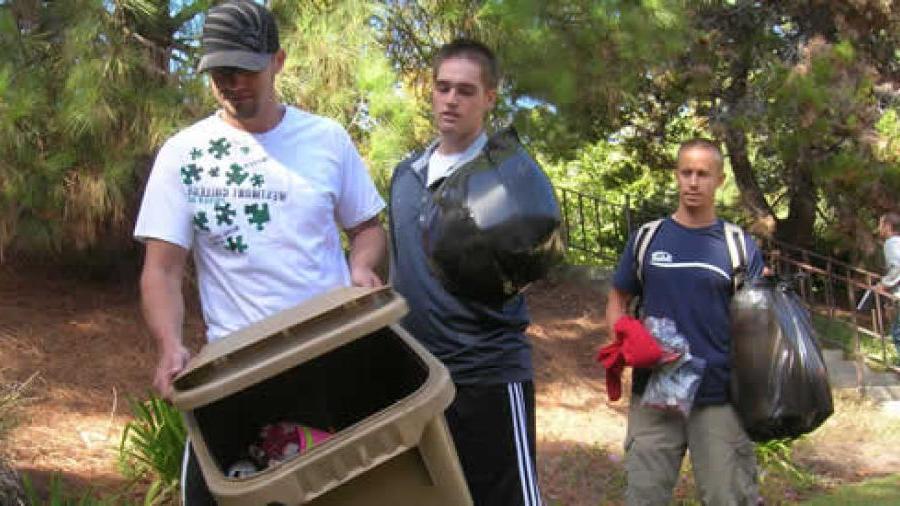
(238, 33)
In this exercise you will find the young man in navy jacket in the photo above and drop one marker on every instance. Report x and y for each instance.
(484, 346)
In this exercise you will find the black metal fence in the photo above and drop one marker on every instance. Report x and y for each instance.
(597, 229)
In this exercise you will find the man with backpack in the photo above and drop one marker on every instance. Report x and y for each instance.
(683, 268)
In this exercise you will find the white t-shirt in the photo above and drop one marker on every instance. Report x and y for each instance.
(261, 212)
(440, 165)
(891, 279)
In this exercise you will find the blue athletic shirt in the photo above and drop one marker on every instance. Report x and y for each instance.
(687, 278)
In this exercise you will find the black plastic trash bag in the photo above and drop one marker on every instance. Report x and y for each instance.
(779, 384)
(495, 223)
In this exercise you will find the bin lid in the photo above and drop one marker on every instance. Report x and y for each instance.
(283, 340)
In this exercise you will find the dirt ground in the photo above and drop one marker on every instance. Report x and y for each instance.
(91, 353)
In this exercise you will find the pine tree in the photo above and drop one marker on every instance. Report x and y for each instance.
(799, 92)
(89, 90)
(335, 67)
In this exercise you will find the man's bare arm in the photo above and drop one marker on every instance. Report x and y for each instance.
(367, 248)
(616, 307)
(163, 306)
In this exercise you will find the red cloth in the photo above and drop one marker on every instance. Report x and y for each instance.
(634, 346)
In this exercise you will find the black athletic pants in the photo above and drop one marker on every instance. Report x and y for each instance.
(493, 427)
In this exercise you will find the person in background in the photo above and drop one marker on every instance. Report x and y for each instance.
(889, 231)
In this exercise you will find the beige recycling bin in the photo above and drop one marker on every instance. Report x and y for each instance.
(341, 363)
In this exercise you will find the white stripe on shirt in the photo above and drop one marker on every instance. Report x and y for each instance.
(687, 265)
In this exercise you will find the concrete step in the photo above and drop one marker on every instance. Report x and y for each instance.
(877, 393)
(883, 393)
(881, 378)
(832, 355)
(849, 375)
(842, 374)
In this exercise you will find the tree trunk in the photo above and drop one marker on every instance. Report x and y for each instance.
(11, 490)
(752, 196)
(797, 228)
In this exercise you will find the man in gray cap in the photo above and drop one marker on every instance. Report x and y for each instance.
(259, 191)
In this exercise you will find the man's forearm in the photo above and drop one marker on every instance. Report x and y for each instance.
(367, 245)
(616, 307)
(163, 307)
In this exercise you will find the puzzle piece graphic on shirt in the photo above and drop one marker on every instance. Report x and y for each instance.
(196, 153)
(224, 214)
(245, 149)
(213, 171)
(201, 221)
(257, 215)
(236, 244)
(236, 175)
(219, 148)
(191, 173)
(258, 180)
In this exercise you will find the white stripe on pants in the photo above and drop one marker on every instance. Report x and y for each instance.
(530, 493)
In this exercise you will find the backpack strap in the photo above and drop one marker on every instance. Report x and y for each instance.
(737, 251)
(641, 243)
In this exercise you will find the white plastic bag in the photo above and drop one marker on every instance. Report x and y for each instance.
(672, 385)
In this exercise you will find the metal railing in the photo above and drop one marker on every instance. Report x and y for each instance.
(833, 288)
(599, 227)
(594, 226)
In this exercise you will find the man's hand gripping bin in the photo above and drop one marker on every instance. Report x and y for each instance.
(338, 363)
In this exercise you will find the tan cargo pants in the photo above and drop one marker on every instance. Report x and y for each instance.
(722, 456)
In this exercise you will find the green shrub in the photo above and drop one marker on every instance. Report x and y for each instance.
(152, 447)
(58, 496)
(12, 396)
(776, 456)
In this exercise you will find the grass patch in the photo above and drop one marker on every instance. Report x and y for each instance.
(58, 495)
(875, 492)
(12, 397)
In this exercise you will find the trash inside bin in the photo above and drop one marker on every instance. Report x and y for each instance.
(327, 403)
